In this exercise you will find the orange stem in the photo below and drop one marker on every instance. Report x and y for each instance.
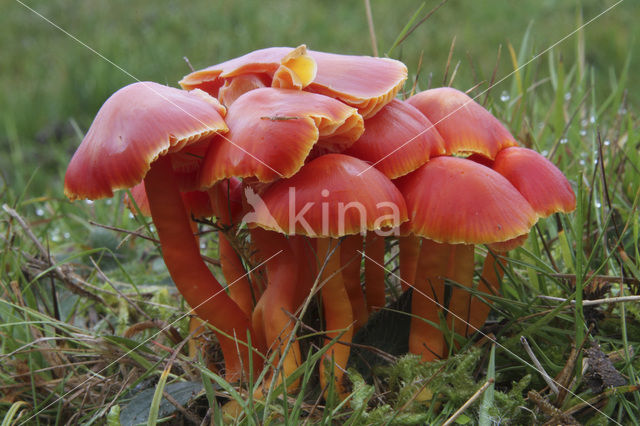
(338, 313)
(278, 301)
(461, 272)
(238, 284)
(374, 272)
(193, 279)
(350, 257)
(409, 247)
(438, 262)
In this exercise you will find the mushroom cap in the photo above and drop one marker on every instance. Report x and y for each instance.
(271, 132)
(233, 88)
(458, 201)
(397, 140)
(364, 82)
(283, 67)
(336, 195)
(540, 182)
(135, 126)
(465, 125)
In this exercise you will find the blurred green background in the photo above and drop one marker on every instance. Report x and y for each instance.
(52, 85)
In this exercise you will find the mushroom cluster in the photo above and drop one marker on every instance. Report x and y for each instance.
(315, 156)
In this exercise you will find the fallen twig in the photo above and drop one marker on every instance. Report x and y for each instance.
(596, 301)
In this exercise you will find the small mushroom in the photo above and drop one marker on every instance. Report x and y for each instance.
(334, 195)
(454, 203)
(135, 137)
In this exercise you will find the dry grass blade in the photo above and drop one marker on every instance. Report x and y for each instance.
(372, 30)
(420, 22)
(493, 77)
(44, 253)
(467, 404)
(539, 367)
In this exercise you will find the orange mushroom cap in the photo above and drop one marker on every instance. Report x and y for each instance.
(364, 82)
(540, 182)
(117, 150)
(331, 196)
(465, 125)
(457, 201)
(273, 130)
(397, 140)
(283, 67)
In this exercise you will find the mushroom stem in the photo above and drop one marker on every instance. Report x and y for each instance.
(373, 272)
(193, 279)
(338, 313)
(350, 257)
(460, 303)
(238, 284)
(242, 292)
(279, 301)
(409, 247)
(437, 263)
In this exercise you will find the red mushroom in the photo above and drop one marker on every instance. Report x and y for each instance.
(134, 137)
(332, 196)
(454, 203)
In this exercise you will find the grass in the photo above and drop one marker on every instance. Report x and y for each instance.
(79, 303)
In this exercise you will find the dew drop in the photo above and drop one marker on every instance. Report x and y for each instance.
(582, 162)
(88, 202)
(584, 122)
(592, 119)
(567, 96)
(583, 132)
(66, 235)
(544, 153)
(607, 142)
(504, 96)
(152, 228)
(109, 201)
(203, 246)
(563, 141)
(597, 204)
(39, 212)
(130, 215)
